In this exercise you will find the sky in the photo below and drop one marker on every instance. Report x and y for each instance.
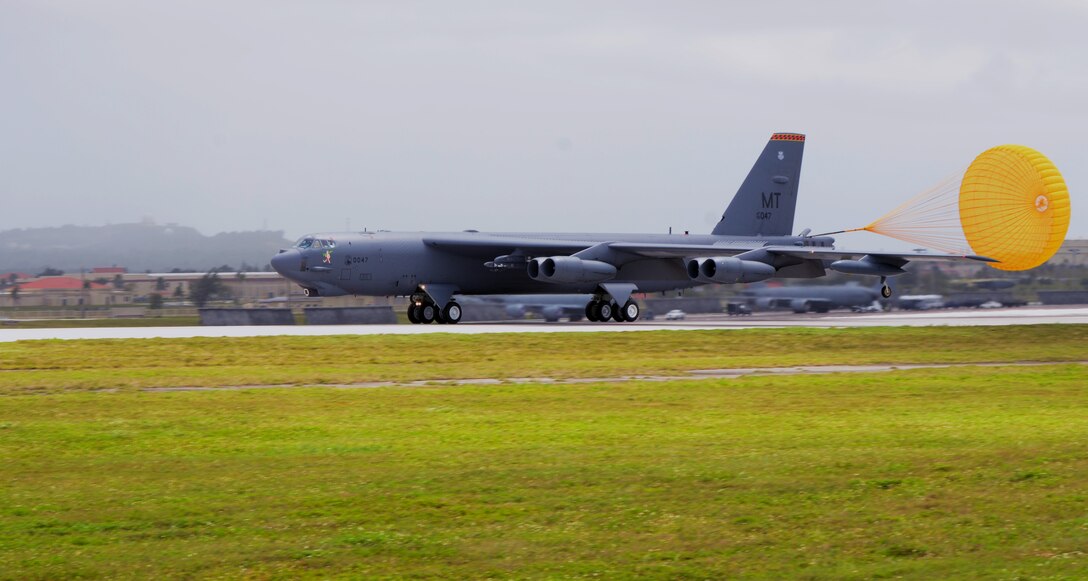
(511, 116)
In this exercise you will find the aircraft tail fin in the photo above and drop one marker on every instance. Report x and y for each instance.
(765, 203)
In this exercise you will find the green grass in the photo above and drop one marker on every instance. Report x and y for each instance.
(45, 366)
(965, 472)
(956, 473)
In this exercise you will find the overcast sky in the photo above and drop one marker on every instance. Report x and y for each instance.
(505, 116)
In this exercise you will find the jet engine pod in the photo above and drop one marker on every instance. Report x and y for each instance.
(799, 305)
(727, 269)
(693, 268)
(560, 269)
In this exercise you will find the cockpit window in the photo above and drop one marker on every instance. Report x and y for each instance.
(314, 243)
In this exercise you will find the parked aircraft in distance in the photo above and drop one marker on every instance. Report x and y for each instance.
(810, 297)
(551, 308)
(752, 242)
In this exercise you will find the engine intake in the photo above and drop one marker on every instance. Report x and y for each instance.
(559, 269)
(727, 269)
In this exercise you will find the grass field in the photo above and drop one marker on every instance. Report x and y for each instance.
(50, 366)
(966, 472)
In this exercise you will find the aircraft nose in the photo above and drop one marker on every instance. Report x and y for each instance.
(287, 261)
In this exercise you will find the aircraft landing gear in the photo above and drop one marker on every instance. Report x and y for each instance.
(452, 313)
(604, 311)
(423, 311)
(426, 313)
(591, 311)
(885, 290)
(601, 310)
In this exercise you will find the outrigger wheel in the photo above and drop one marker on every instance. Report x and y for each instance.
(885, 290)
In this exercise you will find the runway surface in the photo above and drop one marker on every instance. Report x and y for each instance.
(964, 317)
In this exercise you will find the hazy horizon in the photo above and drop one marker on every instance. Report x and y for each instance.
(611, 117)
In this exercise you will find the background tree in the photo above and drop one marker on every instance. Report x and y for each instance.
(154, 301)
(208, 287)
(160, 284)
(50, 271)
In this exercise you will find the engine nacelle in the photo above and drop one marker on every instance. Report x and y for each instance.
(552, 314)
(515, 311)
(800, 305)
(570, 269)
(727, 269)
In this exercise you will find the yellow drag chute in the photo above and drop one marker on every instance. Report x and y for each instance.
(1011, 205)
(1014, 207)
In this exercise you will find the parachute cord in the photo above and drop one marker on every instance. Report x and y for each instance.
(836, 232)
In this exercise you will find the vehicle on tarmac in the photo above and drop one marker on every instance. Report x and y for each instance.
(675, 315)
(738, 310)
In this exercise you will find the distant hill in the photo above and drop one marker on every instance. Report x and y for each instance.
(138, 247)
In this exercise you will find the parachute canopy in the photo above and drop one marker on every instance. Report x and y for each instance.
(1014, 207)
(1011, 205)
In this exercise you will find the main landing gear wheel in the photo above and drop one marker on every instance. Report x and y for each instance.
(591, 311)
(630, 311)
(604, 311)
(618, 314)
(426, 314)
(452, 313)
(413, 318)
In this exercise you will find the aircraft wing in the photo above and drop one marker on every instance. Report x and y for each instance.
(490, 245)
(682, 250)
(815, 253)
(796, 252)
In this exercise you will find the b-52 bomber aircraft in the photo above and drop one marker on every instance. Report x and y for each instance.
(752, 242)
